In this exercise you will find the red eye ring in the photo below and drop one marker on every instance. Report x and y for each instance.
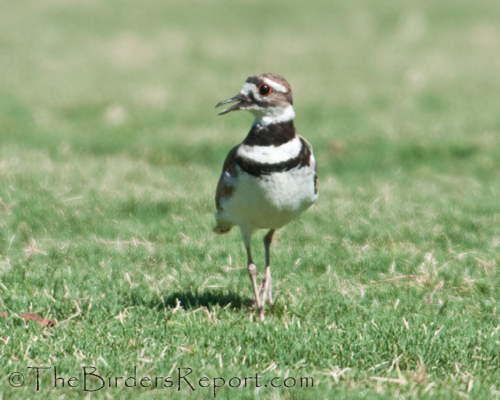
(265, 89)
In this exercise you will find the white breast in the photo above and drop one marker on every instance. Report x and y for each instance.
(270, 201)
(271, 154)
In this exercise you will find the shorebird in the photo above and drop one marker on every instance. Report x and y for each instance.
(269, 178)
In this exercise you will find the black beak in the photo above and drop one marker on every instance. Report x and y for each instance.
(243, 100)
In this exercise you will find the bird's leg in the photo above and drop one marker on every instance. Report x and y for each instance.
(269, 286)
(252, 271)
(266, 287)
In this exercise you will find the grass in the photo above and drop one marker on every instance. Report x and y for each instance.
(110, 153)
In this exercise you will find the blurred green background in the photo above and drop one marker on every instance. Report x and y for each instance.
(378, 84)
(111, 149)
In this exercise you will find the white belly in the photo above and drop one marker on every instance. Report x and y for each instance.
(269, 201)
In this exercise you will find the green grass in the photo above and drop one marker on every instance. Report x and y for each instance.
(111, 150)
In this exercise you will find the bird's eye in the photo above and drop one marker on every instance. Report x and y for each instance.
(265, 90)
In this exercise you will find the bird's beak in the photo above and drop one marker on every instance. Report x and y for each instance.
(243, 101)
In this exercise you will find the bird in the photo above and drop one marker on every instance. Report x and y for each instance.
(270, 178)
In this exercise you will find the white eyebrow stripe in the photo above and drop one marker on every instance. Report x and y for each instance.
(276, 86)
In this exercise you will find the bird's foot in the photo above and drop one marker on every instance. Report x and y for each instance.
(265, 292)
(262, 293)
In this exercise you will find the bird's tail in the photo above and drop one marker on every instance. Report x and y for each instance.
(222, 228)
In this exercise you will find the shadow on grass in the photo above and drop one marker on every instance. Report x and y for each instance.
(190, 300)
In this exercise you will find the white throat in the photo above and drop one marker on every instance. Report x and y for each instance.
(272, 115)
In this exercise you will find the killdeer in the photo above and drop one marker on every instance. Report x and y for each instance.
(269, 178)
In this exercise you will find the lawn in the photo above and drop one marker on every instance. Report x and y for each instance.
(110, 151)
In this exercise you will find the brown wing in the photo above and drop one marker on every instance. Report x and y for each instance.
(315, 166)
(315, 178)
(225, 187)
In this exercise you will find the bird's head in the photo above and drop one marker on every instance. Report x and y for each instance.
(267, 96)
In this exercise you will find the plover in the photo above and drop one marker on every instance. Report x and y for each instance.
(269, 178)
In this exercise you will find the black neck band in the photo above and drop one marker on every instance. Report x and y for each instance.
(274, 134)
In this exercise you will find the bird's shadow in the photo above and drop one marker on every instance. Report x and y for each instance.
(194, 300)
